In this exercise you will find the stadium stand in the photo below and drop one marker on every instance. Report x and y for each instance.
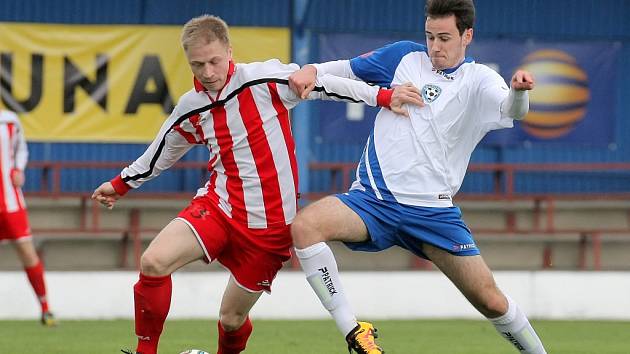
(532, 205)
(515, 229)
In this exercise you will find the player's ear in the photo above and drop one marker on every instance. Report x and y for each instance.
(467, 36)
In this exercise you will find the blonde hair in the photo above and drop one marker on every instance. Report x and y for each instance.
(205, 29)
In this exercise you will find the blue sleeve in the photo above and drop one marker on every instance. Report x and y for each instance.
(378, 67)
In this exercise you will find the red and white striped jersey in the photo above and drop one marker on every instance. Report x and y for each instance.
(246, 128)
(13, 156)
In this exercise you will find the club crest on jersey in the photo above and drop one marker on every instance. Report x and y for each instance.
(430, 92)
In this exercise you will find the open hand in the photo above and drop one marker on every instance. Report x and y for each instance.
(406, 93)
(106, 195)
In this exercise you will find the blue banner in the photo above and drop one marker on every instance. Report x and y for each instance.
(573, 102)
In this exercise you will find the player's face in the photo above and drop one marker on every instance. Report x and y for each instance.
(447, 48)
(210, 63)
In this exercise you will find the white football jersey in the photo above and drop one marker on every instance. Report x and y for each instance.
(421, 160)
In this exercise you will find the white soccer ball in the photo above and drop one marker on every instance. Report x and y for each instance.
(194, 351)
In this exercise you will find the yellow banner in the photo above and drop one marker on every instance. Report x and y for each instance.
(95, 83)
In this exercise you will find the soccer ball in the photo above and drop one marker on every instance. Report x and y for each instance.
(194, 351)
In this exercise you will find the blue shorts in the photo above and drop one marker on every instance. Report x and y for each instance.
(407, 226)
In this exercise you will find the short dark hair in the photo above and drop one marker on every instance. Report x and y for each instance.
(464, 11)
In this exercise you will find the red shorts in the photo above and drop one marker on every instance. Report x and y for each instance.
(14, 226)
(253, 256)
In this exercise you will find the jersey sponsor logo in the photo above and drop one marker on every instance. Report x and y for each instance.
(264, 283)
(464, 247)
(513, 340)
(443, 74)
(444, 197)
(430, 92)
(328, 281)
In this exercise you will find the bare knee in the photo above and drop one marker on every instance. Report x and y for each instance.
(152, 265)
(304, 231)
(492, 303)
(232, 320)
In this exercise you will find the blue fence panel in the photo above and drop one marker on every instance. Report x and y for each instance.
(72, 11)
(558, 19)
(572, 182)
(235, 12)
(274, 13)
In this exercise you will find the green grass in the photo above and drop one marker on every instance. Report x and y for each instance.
(313, 337)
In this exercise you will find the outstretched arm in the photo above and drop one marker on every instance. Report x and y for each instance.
(329, 87)
(303, 81)
(168, 147)
(516, 104)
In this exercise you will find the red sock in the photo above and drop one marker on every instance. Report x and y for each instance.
(234, 342)
(35, 276)
(152, 298)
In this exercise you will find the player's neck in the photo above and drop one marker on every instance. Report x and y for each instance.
(452, 68)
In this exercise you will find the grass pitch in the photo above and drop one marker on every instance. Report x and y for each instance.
(313, 337)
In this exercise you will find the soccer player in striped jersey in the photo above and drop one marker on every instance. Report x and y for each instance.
(241, 216)
(412, 167)
(14, 225)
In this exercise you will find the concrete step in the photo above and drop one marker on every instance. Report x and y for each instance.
(78, 250)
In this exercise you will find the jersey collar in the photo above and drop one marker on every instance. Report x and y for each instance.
(452, 70)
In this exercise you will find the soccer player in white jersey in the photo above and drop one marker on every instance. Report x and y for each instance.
(241, 216)
(412, 167)
(14, 225)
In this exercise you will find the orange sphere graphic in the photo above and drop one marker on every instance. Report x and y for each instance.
(559, 100)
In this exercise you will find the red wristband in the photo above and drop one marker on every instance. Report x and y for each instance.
(384, 97)
(119, 185)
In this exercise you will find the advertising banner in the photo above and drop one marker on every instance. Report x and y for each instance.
(572, 102)
(106, 83)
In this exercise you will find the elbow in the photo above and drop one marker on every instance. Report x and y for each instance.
(521, 113)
